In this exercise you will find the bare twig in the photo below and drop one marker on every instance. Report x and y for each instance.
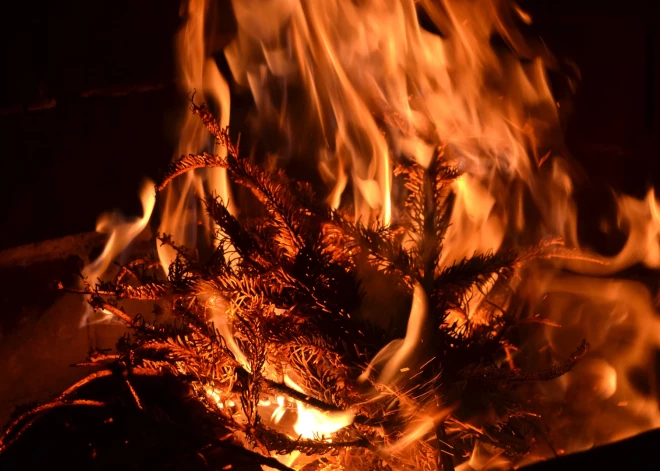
(86, 380)
(5, 442)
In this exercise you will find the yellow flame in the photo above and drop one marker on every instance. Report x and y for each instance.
(474, 225)
(181, 215)
(313, 423)
(122, 231)
(376, 85)
(400, 351)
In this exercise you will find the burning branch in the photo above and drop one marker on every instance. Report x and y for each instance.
(269, 326)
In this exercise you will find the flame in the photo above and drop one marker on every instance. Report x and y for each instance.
(313, 423)
(619, 319)
(181, 215)
(369, 67)
(356, 85)
(642, 220)
(122, 231)
(310, 423)
(474, 225)
(398, 354)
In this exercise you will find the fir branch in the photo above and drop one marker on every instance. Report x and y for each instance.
(240, 239)
(281, 444)
(13, 432)
(513, 376)
(188, 163)
(146, 292)
(453, 284)
(221, 134)
(414, 178)
(289, 285)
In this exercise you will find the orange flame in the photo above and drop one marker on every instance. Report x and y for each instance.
(181, 214)
(363, 83)
(398, 352)
(376, 84)
(122, 231)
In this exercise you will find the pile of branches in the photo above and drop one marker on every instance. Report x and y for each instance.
(278, 312)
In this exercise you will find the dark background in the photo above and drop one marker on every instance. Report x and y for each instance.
(88, 106)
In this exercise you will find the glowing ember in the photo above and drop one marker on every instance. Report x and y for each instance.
(312, 423)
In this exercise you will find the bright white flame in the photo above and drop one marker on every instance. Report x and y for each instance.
(399, 351)
(313, 423)
(182, 215)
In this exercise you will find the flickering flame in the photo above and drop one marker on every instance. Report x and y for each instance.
(309, 422)
(376, 85)
(642, 220)
(398, 355)
(475, 226)
(313, 423)
(354, 85)
(182, 215)
(122, 232)
(369, 67)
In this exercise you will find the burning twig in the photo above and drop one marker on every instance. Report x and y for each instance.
(86, 380)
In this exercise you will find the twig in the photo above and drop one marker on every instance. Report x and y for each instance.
(445, 456)
(82, 382)
(134, 393)
(4, 444)
(311, 401)
(187, 163)
(61, 287)
(118, 312)
(262, 460)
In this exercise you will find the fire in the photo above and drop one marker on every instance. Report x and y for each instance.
(357, 85)
(313, 423)
(476, 227)
(122, 231)
(377, 84)
(641, 219)
(181, 215)
(398, 355)
(369, 66)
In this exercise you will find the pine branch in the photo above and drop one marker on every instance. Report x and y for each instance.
(548, 374)
(288, 290)
(188, 163)
(453, 284)
(221, 134)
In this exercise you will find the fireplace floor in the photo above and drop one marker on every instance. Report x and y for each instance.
(40, 333)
